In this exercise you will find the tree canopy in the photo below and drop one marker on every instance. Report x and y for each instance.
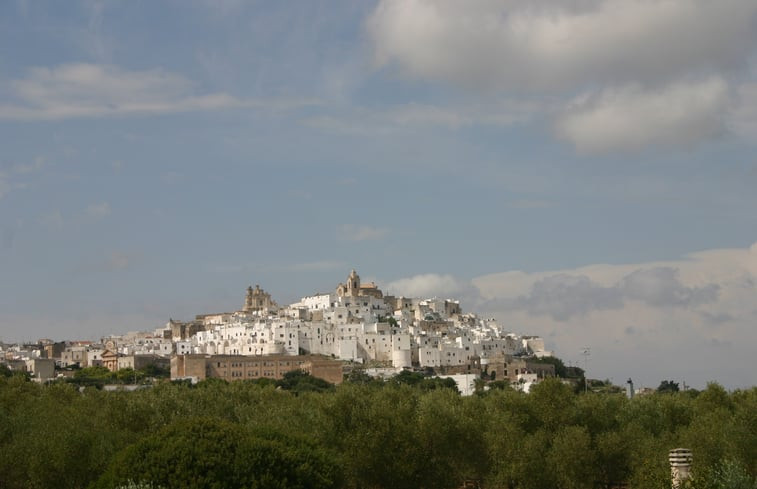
(410, 432)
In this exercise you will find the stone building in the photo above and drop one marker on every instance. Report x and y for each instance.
(353, 288)
(239, 367)
(182, 330)
(258, 300)
(110, 359)
(140, 361)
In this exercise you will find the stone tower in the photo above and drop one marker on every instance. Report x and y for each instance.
(351, 288)
(353, 284)
(257, 300)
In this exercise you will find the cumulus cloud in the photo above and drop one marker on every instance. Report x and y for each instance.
(661, 287)
(631, 118)
(428, 285)
(669, 319)
(93, 90)
(554, 45)
(691, 312)
(744, 119)
(653, 73)
(563, 296)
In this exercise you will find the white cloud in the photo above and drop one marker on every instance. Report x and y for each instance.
(744, 120)
(671, 319)
(632, 118)
(91, 90)
(554, 45)
(428, 285)
(362, 233)
(453, 115)
(637, 61)
(99, 210)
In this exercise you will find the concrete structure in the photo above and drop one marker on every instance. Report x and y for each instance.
(140, 361)
(40, 369)
(680, 466)
(466, 383)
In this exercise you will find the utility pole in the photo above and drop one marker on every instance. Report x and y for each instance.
(586, 352)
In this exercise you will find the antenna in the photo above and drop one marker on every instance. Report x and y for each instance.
(586, 352)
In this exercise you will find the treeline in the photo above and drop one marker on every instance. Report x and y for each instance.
(406, 433)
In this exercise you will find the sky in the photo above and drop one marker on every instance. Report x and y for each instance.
(583, 170)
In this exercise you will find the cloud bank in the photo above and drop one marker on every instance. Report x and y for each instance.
(691, 319)
(428, 285)
(653, 72)
(631, 118)
(92, 90)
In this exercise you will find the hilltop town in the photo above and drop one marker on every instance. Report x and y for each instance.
(325, 334)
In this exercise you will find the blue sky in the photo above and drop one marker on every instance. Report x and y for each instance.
(583, 170)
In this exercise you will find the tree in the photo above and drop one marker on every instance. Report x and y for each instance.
(560, 369)
(358, 375)
(572, 458)
(155, 371)
(128, 375)
(299, 381)
(728, 474)
(207, 453)
(668, 386)
(5, 371)
(424, 383)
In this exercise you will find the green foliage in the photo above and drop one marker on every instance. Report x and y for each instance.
(423, 382)
(5, 371)
(96, 372)
(410, 432)
(358, 376)
(668, 386)
(129, 375)
(728, 474)
(299, 381)
(156, 372)
(207, 453)
(560, 369)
